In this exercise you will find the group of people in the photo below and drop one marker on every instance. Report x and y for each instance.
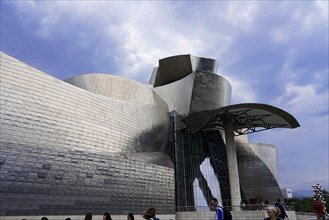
(149, 214)
(274, 213)
(106, 216)
(277, 212)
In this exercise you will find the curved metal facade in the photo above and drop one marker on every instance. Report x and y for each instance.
(190, 84)
(65, 150)
(117, 88)
(268, 154)
(210, 91)
(256, 178)
(178, 94)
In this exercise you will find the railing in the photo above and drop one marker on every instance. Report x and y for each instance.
(253, 207)
(305, 213)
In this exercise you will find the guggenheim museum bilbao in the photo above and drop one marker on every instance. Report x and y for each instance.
(99, 142)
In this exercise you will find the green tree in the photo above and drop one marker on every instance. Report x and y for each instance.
(304, 204)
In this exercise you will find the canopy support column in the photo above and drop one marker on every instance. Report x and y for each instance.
(232, 166)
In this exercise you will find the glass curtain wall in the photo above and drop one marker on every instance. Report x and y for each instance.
(201, 171)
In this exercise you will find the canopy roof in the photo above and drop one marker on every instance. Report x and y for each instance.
(246, 118)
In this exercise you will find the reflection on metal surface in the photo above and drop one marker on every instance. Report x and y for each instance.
(81, 150)
(190, 84)
(178, 103)
(117, 88)
(256, 178)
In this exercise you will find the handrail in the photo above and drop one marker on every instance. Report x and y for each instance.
(253, 207)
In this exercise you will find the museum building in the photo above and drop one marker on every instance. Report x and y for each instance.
(99, 142)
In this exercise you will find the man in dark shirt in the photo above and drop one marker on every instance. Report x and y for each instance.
(283, 213)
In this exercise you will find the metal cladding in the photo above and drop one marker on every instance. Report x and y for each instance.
(268, 154)
(190, 84)
(258, 178)
(201, 101)
(118, 88)
(175, 68)
(66, 150)
(97, 142)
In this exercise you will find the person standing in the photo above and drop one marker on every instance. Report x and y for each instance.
(318, 209)
(88, 216)
(107, 216)
(266, 204)
(149, 214)
(242, 205)
(218, 207)
(273, 213)
(283, 213)
(130, 216)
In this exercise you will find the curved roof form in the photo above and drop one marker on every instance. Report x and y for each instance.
(117, 87)
(246, 118)
(177, 67)
(189, 84)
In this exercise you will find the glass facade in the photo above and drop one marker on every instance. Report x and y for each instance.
(201, 171)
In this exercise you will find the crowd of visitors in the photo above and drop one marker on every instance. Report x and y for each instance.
(276, 212)
(148, 214)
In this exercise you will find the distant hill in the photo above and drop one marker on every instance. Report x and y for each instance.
(302, 193)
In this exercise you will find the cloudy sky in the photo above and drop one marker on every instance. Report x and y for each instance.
(273, 52)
